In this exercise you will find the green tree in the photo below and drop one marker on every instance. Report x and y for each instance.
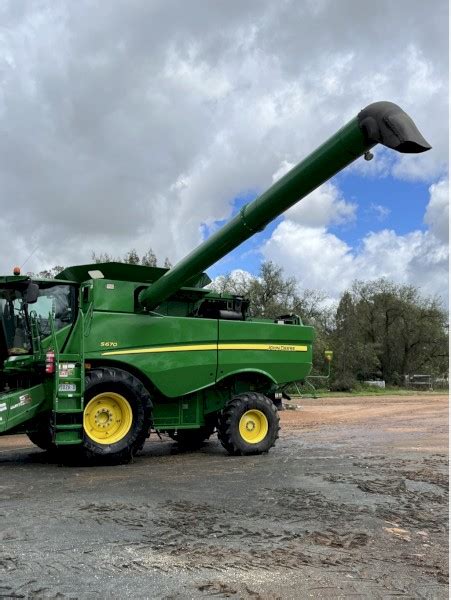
(387, 331)
(48, 273)
(270, 294)
(149, 259)
(131, 257)
(354, 358)
(103, 257)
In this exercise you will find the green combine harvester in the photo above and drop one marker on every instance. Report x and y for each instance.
(98, 357)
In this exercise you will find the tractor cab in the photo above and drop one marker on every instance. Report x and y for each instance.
(23, 302)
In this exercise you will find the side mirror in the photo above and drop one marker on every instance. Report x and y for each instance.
(32, 293)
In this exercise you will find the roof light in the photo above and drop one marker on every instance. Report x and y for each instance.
(95, 274)
(16, 270)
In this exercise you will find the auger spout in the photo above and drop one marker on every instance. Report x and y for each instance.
(379, 123)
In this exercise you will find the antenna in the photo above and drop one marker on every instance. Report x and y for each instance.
(28, 257)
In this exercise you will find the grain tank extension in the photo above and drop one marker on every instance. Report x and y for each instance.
(93, 360)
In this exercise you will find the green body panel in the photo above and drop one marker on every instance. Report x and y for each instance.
(119, 272)
(114, 296)
(190, 411)
(13, 278)
(180, 355)
(282, 362)
(21, 406)
(131, 339)
(181, 413)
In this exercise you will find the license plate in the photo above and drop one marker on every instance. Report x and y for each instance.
(67, 387)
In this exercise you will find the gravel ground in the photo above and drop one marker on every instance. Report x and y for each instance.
(352, 502)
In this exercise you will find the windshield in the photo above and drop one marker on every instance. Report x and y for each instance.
(55, 300)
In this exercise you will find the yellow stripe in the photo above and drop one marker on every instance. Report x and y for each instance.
(163, 349)
(193, 348)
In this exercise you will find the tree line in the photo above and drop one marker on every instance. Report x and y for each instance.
(149, 259)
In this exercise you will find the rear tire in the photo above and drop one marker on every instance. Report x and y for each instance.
(117, 415)
(249, 424)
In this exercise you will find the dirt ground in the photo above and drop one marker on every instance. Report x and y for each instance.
(351, 503)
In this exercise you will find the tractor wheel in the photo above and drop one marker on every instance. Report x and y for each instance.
(117, 415)
(191, 438)
(42, 434)
(249, 424)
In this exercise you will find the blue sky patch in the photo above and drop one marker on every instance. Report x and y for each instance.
(382, 203)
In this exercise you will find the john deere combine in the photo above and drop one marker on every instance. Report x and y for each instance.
(99, 356)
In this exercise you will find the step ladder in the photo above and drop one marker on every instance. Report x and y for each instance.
(68, 399)
(69, 388)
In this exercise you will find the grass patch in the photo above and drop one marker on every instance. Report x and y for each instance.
(363, 390)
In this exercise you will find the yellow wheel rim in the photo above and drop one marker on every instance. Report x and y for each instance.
(107, 418)
(253, 426)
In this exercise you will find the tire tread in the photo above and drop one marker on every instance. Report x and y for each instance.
(227, 433)
(111, 375)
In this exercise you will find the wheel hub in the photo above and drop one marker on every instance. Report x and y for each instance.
(103, 417)
(253, 426)
(107, 418)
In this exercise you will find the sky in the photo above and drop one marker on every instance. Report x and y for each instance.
(137, 124)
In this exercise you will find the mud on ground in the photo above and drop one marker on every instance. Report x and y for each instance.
(352, 502)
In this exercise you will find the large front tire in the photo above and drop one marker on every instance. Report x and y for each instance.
(117, 415)
(249, 424)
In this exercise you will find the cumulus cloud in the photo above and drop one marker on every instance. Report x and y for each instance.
(323, 207)
(320, 259)
(136, 123)
(437, 211)
(283, 169)
(380, 211)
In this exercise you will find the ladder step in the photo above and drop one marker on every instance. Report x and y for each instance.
(71, 411)
(65, 441)
(68, 437)
(68, 427)
(68, 442)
